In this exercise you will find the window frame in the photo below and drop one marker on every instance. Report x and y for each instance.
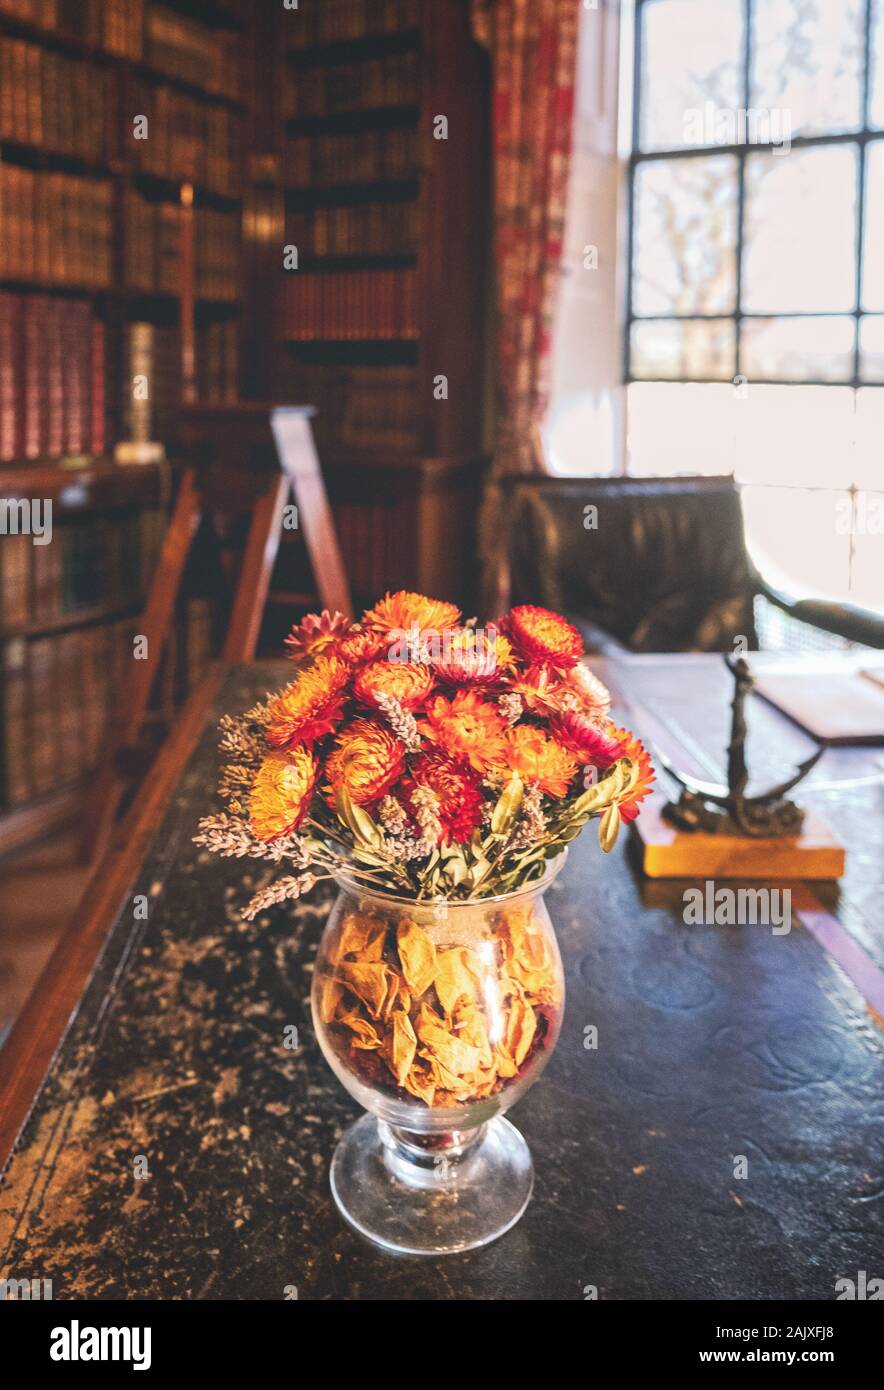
(860, 138)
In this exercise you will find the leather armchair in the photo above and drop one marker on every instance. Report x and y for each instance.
(650, 564)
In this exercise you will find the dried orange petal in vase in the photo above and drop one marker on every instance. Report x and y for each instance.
(437, 771)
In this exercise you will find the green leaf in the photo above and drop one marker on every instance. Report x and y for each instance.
(457, 871)
(571, 832)
(357, 820)
(604, 793)
(609, 827)
(507, 807)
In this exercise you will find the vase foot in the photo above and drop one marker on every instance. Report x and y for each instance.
(422, 1200)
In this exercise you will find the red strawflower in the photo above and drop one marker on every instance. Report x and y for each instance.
(315, 633)
(473, 657)
(543, 637)
(588, 740)
(458, 789)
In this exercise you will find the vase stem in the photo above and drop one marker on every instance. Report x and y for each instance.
(426, 1160)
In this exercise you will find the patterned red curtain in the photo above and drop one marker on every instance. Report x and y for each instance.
(533, 46)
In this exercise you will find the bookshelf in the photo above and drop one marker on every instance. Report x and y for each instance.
(268, 127)
(390, 291)
(90, 299)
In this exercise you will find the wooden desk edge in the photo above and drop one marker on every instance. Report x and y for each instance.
(43, 1022)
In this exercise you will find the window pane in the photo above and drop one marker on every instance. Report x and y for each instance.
(796, 435)
(873, 254)
(871, 349)
(691, 55)
(799, 240)
(807, 62)
(867, 579)
(685, 235)
(794, 539)
(876, 68)
(868, 471)
(690, 348)
(674, 429)
(805, 349)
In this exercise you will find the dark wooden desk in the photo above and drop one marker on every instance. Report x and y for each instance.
(713, 1042)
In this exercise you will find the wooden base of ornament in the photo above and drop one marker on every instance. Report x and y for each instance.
(668, 852)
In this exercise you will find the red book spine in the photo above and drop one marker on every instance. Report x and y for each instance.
(97, 403)
(55, 352)
(10, 412)
(31, 377)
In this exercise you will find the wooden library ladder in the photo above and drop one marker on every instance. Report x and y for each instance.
(252, 457)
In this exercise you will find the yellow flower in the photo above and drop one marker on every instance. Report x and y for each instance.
(402, 611)
(281, 793)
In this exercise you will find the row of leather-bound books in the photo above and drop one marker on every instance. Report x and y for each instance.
(52, 378)
(334, 21)
(61, 693)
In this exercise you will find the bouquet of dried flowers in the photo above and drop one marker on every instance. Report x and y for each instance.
(423, 756)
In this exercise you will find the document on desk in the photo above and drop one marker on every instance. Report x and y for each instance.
(835, 707)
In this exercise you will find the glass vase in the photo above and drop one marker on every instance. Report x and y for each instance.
(436, 1017)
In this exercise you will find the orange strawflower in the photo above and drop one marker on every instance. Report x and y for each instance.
(309, 707)
(587, 739)
(543, 637)
(538, 687)
(281, 793)
(536, 757)
(470, 657)
(403, 611)
(366, 759)
(467, 726)
(407, 681)
(359, 645)
(635, 750)
(315, 633)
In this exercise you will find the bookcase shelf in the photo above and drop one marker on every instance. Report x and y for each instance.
(77, 618)
(352, 194)
(183, 84)
(405, 216)
(399, 210)
(62, 41)
(169, 190)
(29, 285)
(89, 483)
(393, 260)
(39, 157)
(353, 351)
(217, 16)
(355, 50)
(369, 118)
